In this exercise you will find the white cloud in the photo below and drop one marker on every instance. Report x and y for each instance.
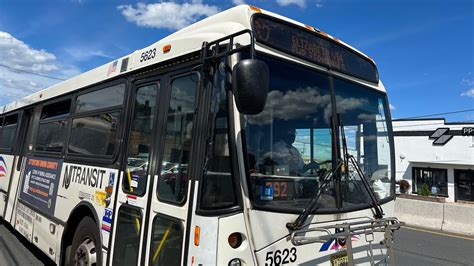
(319, 3)
(392, 107)
(468, 81)
(85, 54)
(238, 2)
(168, 15)
(16, 57)
(298, 103)
(468, 93)
(300, 3)
(17, 54)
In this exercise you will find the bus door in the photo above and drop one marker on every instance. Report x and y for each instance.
(23, 145)
(150, 218)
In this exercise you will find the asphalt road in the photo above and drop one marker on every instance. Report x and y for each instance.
(16, 250)
(412, 247)
(421, 247)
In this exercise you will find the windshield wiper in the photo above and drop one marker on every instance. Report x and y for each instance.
(349, 159)
(311, 206)
(327, 177)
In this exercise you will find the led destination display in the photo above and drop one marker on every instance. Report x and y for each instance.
(313, 47)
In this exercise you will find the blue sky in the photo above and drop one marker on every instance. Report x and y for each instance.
(423, 48)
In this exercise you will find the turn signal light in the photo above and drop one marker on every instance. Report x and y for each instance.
(197, 235)
(256, 9)
(235, 240)
(166, 48)
(309, 27)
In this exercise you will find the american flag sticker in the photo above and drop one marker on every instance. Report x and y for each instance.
(107, 220)
(112, 68)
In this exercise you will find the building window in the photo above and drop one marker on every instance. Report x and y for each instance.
(464, 185)
(435, 179)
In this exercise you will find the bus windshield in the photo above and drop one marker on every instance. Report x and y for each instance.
(290, 144)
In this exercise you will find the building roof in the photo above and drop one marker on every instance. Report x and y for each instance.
(444, 162)
(427, 124)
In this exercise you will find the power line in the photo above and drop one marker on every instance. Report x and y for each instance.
(30, 72)
(447, 113)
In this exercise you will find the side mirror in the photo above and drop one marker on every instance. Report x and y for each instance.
(250, 80)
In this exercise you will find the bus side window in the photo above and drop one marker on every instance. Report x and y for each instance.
(52, 129)
(166, 242)
(140, 140)
(95, 123)
(173, 181)
(8, 130)
(218, 188)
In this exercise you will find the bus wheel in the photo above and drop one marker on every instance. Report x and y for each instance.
(85, 248)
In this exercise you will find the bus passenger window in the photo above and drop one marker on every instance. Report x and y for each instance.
(94, 135)
(140, 140)
(97, 133)
(100, 99)
(8, 131)
(173, 182)
(52, 129)
(127, 238)
(167, 239)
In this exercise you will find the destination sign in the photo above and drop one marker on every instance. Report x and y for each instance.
(313, 47)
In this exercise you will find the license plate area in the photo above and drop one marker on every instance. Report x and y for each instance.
(340, 259)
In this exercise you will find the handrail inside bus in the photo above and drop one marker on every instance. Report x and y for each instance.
(137, 221)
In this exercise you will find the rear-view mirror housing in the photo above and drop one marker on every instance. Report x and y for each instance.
(250, 82)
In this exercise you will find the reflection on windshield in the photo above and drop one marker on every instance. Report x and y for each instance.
(289, 144)
(295, 103)
(367, 140)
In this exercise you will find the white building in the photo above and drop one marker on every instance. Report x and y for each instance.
(437, 153)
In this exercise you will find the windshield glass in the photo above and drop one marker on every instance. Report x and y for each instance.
(362, 112)
(290, 144)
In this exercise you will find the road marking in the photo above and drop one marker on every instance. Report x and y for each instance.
(437, 233)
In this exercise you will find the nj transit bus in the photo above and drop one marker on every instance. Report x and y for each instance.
(244, 139)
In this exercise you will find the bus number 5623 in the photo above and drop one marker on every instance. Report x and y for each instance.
(280, 257)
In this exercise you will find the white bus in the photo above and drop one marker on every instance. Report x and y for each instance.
(244, 139)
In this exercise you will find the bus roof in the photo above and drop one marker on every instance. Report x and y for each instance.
(182, 42)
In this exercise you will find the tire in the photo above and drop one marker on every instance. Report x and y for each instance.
(86, 249)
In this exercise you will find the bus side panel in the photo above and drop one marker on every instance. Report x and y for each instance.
(45, 236)
(227, 226)
(83, 184)
(206, 252)
(6, 171)
(24, 221)
(39, 230)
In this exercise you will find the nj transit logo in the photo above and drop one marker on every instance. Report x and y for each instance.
(335, 244)
(3, 167)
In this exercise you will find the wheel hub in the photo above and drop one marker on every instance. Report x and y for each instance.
(85, 254)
